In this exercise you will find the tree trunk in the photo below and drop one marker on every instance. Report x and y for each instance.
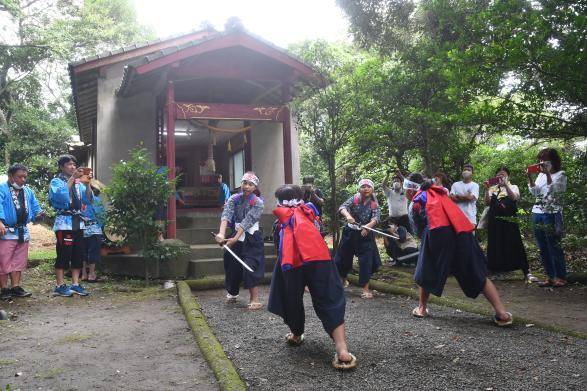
(334, 204)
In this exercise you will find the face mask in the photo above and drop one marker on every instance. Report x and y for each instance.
(396, 186)
(17, 187)
(467, 174)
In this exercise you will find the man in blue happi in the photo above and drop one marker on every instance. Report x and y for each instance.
(69, 197)
(18, 207)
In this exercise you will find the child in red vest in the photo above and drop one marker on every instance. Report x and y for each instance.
(360, 210)
(304, 260)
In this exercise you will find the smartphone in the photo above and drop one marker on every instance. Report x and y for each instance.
(534, 168)
(85, 178)
(494, 181)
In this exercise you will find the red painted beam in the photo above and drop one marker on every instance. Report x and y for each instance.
(171, 211)
(287, 155)
(187, 110)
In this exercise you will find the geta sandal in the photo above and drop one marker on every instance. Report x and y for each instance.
(344, 365)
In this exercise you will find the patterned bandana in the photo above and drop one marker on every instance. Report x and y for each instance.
(250, 177)
(367, 182)
(290, 203)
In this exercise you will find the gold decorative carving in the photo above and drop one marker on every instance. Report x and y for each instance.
(269, 111)
(192, 108)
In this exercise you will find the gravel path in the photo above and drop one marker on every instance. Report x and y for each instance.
(101, 343)
(450, 351)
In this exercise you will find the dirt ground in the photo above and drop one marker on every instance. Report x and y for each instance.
(42, 237)
(123, 336)
(452, 350)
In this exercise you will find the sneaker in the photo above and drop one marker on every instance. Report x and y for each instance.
(5, 294)
(530, 278)
(62, 290)
(78, 290)
(18, 291)
(231, 298)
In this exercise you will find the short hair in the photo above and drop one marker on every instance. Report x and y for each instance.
(468, 165)
(551, 155)
(289, 192)
(442, 176)
(218, 176)
(502, 168)
(66, 159)
(16, 167)
(416, 177)
(308, 179)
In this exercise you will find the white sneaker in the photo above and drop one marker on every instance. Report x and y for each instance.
(230, 298)
(530, 278)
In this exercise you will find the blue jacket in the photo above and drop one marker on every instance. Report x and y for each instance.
(59, 199)
(8, 211)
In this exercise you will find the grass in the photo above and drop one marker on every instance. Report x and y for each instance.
(7, 362)
(75, 338)
(50, 373)
(42, 254)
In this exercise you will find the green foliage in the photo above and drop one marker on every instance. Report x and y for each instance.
(166, 250)
(135, 193)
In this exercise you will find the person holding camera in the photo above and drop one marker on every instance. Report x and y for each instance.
(314, 195)
(505, 250)
(547, 217)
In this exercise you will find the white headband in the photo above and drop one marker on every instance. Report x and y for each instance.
(250, 177)
(290, 203)
(367, 182)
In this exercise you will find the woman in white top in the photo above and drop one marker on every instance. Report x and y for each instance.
(547, 216)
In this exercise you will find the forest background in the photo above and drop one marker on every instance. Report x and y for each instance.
(424, 86)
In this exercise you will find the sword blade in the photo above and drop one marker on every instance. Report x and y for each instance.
(380, 232)
(237, 258)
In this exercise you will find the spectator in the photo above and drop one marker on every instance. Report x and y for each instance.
(314, 195)
(547, 216)
(18, 207)
(465, 194)
(505, 250)
(441, 180)
(93, 236)
(224, 193)
(397, 202)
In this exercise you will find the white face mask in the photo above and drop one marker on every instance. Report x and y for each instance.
(17, 187)
(467, 174)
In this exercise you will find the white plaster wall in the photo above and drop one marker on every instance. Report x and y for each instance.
(267, 151)
(123, 123)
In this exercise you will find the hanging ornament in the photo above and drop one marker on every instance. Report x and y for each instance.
(210, 164)
(213, 137)
(229, 146)
(245, 137)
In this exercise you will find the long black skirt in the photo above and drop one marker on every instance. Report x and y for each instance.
(286, 295)
(364, 247)
(445, 253)
(252, 252)
(505, 250)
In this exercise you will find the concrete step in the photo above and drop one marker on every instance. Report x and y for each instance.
(204, 251)
(198, 268)
(197, 221)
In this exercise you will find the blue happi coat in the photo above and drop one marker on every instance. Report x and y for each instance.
(8, 211)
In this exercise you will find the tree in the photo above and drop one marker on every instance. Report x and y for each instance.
(327, 116)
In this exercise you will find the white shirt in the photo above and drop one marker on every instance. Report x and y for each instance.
(469, 208)
(397, 202)
(548, 196)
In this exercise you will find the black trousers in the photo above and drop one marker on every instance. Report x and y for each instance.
(252, 252)
(351, 244)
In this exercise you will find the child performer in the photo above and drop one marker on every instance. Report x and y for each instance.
(360, 210)
(242, 212)
(304, 260)
(94, 214)
(68, 196)
(448, 246)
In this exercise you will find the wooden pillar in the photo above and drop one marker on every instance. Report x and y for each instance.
(171, 212)
(287, 158)
(248, 149)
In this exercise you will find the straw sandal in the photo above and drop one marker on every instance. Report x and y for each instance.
(344, 365)
(503, 323)
(416, 313)
(366, 295)
(255, 306)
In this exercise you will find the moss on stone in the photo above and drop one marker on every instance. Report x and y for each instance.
(224, 370)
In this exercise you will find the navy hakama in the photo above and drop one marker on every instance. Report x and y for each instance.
(286, 295)
(364, 247)
(251, 251)
(445, 253)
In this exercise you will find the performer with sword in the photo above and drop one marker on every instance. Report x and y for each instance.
(362, 213)
(244, 260)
